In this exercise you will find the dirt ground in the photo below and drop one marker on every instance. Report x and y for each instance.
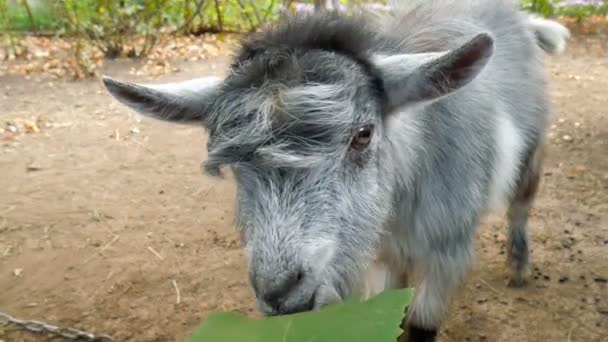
(102, 212)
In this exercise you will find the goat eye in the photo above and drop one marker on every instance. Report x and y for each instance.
(362, 138)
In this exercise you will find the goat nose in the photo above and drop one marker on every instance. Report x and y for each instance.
(278, 289)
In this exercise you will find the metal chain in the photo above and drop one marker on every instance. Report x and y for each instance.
(42, 327)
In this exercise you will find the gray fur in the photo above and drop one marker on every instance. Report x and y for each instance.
(316, 214)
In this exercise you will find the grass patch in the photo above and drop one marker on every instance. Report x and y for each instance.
(43, 18)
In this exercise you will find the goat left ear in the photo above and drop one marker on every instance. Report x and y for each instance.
(412, 78)
(179, 102)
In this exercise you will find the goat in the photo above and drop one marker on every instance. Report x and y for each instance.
(373, 144)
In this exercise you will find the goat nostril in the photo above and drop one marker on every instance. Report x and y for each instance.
(281, 290)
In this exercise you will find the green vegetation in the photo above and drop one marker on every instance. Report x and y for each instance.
(57, 16)
(25, 18)
(97, 29)
(377, 319)
(9, 38)
(582, 11)
(543, 7)
(578, 9)
(109, 24)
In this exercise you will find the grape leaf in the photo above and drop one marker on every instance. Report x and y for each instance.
(376, 319)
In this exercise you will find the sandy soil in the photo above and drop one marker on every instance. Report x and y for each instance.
(101, 211)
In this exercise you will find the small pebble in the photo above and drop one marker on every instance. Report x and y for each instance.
(567, 243)
(567, 138)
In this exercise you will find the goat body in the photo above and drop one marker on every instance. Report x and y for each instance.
(373, 145)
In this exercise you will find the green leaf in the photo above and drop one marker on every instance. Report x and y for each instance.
(376, 319)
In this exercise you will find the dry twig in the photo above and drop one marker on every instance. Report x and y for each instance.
(155, 253)
(102, 249)
(489, 286)
(178, 298)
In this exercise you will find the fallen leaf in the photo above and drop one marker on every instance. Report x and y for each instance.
(31, 127)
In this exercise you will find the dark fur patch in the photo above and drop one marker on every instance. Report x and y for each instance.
(320, 49)
(530, 176)
(272, 54)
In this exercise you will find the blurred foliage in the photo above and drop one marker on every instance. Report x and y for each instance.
(584, 9)
(108, 24)
(543, 7)
(111, 25)
(24, 17)
(130, 28)
(10, 39)
(578, 9)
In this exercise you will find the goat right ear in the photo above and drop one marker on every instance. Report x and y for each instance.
(177, 102)
(414, 78)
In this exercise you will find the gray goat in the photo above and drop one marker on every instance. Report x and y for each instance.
(367, 148)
